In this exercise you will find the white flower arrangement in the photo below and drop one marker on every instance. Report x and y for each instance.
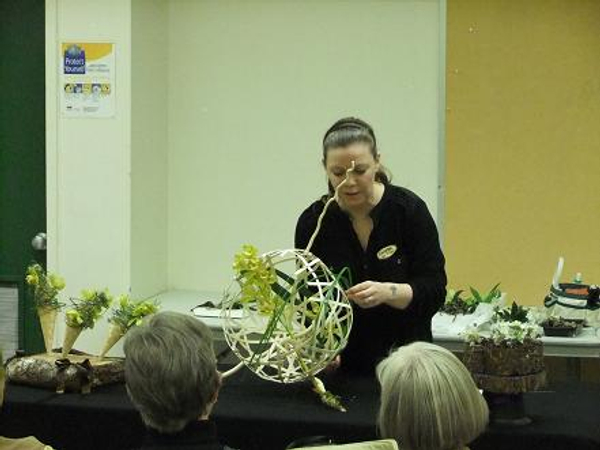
(471, 335)
(510, 326)
(514, 332)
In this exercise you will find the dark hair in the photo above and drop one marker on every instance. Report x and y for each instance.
(347, 131)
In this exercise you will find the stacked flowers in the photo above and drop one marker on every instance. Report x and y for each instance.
(127, 314)
(45, 289)
(84, 313)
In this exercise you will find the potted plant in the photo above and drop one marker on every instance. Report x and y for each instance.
(463, 310)
(127, 314)
(512, 351)
(456, 303)
(559, 326)
(45, 288)
(84, 313)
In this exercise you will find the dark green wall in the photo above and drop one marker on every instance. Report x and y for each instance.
(22, 149)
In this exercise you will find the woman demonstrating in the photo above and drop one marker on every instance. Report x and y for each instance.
(386, 237)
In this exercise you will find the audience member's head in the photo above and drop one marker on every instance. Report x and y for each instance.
(2, 378)
(170, 371)
(429, 399)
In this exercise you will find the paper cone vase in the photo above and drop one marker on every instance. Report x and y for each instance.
(71, 335)
(47, 321)
(116, 333)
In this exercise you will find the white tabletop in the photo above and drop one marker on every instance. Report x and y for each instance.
(584, 345)
(186, 301)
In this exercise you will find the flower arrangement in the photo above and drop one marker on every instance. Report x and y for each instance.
(294, 322)
(45, 288)
(255, 276)
(127, 314)
(555, 325)
(510, 358)
(130, 313)
(515, 332)
(510, 326)
(84, 313)
(88, 309)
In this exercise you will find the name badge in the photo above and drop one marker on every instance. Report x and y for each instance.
(386, 252)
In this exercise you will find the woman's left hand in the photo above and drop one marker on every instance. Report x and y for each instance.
(369, 294)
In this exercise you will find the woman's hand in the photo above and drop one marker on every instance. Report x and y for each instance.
(333, 365)
(369, 294)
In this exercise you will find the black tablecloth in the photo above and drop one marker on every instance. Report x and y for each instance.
(256, 414)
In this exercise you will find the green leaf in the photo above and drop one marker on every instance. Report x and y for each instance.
(281, 291)
(492, 294)
(457, 295)
(476, 295)
(285, 276)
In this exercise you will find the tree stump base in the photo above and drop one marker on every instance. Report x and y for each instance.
(78, 372)
(517, 384)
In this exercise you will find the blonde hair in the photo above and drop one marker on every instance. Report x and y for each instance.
(429, 400)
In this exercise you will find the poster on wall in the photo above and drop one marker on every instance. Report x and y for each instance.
(87, 79)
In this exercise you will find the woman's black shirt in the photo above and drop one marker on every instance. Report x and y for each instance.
(403, 248)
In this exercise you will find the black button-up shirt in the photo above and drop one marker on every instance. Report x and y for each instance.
(403, 248)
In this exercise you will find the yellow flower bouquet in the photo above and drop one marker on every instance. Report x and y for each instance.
(45, 288)
(84, 313)
(127, 314)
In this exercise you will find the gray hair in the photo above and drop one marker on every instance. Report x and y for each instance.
(2, 377)
(429, 399)
(170, 370)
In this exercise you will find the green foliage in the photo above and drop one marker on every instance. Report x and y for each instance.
(493, 294)
(457, 304)
(511, 314)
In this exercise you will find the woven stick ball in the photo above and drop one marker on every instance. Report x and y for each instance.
(300, 329)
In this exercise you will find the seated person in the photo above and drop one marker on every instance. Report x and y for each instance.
(27, 443)
(172, 380)
(383, 444)
(429, 399)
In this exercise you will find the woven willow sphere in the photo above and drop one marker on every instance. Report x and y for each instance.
(299, 330)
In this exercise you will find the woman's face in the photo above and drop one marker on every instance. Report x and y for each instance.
(358, 190)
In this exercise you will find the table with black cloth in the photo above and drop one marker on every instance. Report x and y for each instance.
(254, 414)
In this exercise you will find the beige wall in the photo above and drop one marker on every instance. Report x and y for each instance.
(89, 162)
(253, 85)
(149, 146)
(523, 143)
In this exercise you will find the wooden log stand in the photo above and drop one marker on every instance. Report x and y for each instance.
(78, 372)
